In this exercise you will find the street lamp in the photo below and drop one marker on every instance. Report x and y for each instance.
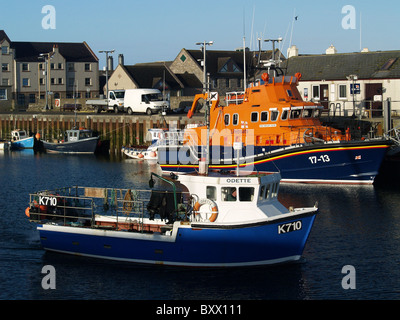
(204, 44)
(107, 52)
(46, 57)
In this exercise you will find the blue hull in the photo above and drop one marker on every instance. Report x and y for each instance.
(197, 246)
(347, 163)
(23, 143)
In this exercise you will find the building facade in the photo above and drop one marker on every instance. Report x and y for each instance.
(349, 83)
(66, 70)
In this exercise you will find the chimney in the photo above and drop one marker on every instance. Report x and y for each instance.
(331, 50)
(110, 63)
(121, 59)
(293, 51)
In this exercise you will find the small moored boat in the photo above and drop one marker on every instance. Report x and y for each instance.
(77, 140)
(21, 140)
(213, 220)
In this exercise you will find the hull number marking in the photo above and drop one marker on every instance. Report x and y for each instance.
(321, 158)
(290, 227)
(47, 201)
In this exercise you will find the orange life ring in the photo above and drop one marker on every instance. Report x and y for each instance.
(213, 205)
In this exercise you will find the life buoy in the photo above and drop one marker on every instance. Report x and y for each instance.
(211, 203)
(27, 212)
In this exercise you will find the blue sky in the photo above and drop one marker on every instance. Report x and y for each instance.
(156, 30)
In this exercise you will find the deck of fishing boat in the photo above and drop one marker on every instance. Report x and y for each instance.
(111, 209)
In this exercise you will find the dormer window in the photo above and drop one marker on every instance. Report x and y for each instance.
(229, 66)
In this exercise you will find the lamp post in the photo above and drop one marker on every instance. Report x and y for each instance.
(107, 52)
(203, 48)
(206, 89)
(47, 57)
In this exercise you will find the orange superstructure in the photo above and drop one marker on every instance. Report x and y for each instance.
(271, 113)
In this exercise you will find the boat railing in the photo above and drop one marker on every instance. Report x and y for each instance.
(235, 97)
(89, 207)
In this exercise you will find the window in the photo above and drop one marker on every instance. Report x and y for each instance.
(88, 81)
(3, 94)
(52, 66)
(267, 191)
(71, 66)
(41, 66)
(4, 67)
(211, 193)
(4, 50)
(289, 93)
(235, 119)
(88, 67)
(25, 67)
(261, 194)
(226, 119)
(60, 66)
(41, 81)
(307, 113)
(254, 117)
(274, 115)
(183, 58)
(284, 114)
(5, 82)
(52, 80)
(264, 116)
(32, 98)
(25, 82)
(315, 92)
(60, 80)
(246, 193)
(295, 114)
(71, 82)
(228, 193)
(342, 91)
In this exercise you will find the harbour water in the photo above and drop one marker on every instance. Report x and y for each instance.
(357, 226)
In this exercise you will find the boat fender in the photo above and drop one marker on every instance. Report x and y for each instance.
(27, 212)
(211, 203)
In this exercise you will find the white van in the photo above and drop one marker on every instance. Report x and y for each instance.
(144, 100)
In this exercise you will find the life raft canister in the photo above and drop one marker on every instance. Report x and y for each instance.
(211, 203)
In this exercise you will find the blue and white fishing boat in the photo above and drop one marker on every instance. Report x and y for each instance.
(212, 220)
(21, 140)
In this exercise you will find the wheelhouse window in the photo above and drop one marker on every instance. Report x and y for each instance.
(235, 119)
(295, 114)
(254, 117)
(274, 115)
(211, 193)
(307, 113)
(246, 194)
(264, 116)
(285, 113)
(228, 193)
(227, 119)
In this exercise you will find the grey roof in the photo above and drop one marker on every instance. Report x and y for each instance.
(366, 65)
(147, 75)
(216, 59)
(72, 52)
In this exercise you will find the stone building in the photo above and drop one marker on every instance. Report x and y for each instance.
(348, 83)
(27, 68)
